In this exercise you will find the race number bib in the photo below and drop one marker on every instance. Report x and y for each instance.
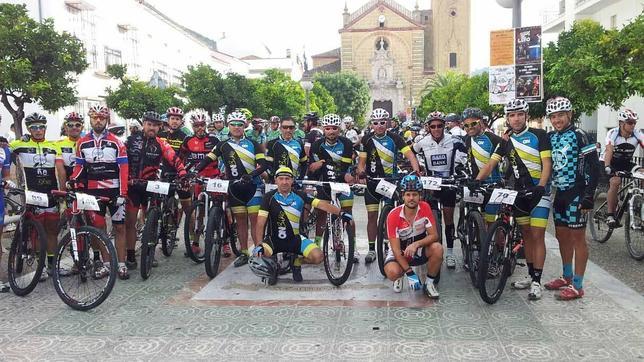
(385, 188)
(477, 198)
(86, 202)
(431, 183)
(158, 187)
(217, 185)
(503, 196)
(269, 187)
(338, 187)
(36, 198)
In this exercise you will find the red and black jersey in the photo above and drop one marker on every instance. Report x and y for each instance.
(101, 162)
(145, 155)
(194, 149)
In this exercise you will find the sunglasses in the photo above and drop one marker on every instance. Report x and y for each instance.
(437, 126)
(288, 127)
(37, 127)
(631, 123)
(471, 124)
(379, 123)
(236, 124)
(331, 128)
(199, 124)
(75, 125)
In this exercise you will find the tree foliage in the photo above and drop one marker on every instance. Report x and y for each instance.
(320, 100)
(37, 63)
(280, 95)
(133, 97)
(350, 94)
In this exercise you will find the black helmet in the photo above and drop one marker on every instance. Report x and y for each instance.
(263, 267)
(311, 116)
(472, 113)
(242, 191)
(35, 118)
(151, 116)
(452, 117)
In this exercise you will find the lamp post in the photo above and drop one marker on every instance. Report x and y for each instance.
(307, 85)
(515, 5)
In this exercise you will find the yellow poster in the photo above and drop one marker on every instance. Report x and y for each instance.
(502, 47)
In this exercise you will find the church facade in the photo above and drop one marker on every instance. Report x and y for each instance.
(397, 50)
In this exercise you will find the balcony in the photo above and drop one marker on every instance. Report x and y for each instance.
(552, 21)
(590, 7)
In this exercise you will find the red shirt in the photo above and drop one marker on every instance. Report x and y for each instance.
(399, 227)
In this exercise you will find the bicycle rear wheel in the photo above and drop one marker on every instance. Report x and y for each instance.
(382, 240)
(27, 256)
(84, 289)
(214, 241)
(149, 241)
(338, 250)
(599, 229)
(634, 227)
(494, 262)
(169, 226)
(194, 232)
(475, 234)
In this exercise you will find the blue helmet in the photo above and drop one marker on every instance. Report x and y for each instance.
(411, 183)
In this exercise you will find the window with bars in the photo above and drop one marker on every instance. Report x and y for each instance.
(452, 60)
(112, 56)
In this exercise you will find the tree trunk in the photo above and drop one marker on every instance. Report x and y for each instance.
(18, 114)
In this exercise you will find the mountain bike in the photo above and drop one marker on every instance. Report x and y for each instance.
(631, 206)
(391, 199)
(471, 228)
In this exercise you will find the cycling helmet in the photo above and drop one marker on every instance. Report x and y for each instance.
(626, 115)
(246, 112)
(347, 120)
(117, 127)
(218, 117)
(136, 124)
(435, 116)
(242, 191)
(237, 116)
(275, 119)
(99, 111)
(331, 119)
(199, 116)
(311, 116)
(379, 114)
(452, 117)
(476, 113)
(152, 116)
(415, 127)
(284, 171)
(411, 183)
(35, 118)
(558, 104)
(73, 116)
(263, 267)
(516, 105)
(174, 111)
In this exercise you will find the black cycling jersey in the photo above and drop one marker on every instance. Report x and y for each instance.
(280, 152)
(175, 140)
(338, 159)
(381, 153)
(525, 151)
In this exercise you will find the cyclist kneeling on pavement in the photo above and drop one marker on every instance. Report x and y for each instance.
(413, 240)
(281, 210)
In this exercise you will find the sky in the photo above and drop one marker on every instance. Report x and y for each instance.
(243, 27)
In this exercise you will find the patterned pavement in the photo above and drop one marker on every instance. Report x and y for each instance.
(178, 314)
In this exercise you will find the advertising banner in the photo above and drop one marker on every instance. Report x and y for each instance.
(502, 84)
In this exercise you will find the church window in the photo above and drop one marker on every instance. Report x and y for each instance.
(452, 60)
(382, 44)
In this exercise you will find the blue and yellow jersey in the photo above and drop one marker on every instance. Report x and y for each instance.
(525, 150)
(280, 152)
(239, 158)
(337, 156)
(381, 153)
(479, 151)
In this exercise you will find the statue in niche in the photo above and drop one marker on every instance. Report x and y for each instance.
(382, 64)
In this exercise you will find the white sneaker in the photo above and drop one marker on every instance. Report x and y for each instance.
(535, 291)
(450, 261)
(522, 284)
(398, 285)
(431, 291)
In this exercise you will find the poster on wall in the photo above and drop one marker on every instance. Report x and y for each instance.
(529, 83)
(527, 45)
(502, 84)
(502, 47)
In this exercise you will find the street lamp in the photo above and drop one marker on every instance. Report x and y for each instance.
(515, 5)
(307, 85)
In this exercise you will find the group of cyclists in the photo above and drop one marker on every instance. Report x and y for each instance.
(236, 147)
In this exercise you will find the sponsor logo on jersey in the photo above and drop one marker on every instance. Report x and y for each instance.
(439, 160)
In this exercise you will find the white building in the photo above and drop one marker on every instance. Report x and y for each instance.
(611, 14)
(154, 46)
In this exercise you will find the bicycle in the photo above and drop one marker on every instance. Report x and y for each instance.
(498, 257)
(471, 228)
(386, 205)
(28, 250)
(76, 251)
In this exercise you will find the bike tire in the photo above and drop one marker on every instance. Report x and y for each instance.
(476, 232)
(491, 294)
(149, 239)
(169, 226)
(382, 240)
(230, 236)
(333, 258)
(189, 239)
(16, 263)
(438, 217)
(634, 238)
(599, 230)
(97, 236)
(214, 241)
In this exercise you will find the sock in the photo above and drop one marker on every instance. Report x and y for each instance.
(130, 255)
(297, 262)
(430, 279)
(50, 259)
(531, 270)
(578, 281)
(567, 271)
(450, 251)
(536, 275)
(97, 255)
(372, 245)
(449, 235)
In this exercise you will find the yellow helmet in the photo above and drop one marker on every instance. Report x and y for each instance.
(284, 171)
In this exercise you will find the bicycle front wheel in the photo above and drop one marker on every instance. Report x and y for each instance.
(194, 232)
(634, 227)
(78, 278)
(27, 256)
(599, 229)
(214, 241)
(494, 262)
(170, 221)
(149, 240)
(338, 250)
(475, 234)
(382, 240)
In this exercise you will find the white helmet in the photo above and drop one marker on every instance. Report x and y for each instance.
(558, 104)
(136, 124)
(236, 116)
(116, 124)
(198, 116)
(516, 105)
(218, 117)
(627, 114)
(331, 119)
(379, 114)
(347, 119)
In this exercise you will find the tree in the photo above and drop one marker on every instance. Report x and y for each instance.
(320, 100)
(204, 88)
(350, 94)
(240, 92)
(133, 97)
(37, 63)
(280, 95)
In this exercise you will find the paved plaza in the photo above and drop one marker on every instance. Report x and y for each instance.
(179, 314)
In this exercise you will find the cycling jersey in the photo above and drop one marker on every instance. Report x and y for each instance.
(313, 135)
(194, 149)
(101, 163)
(38, 160)
(525, 150)
(239, 157)
(145, 154)
(623, 147)
(273, 134)
(280, 152)
(479, 152)
(337, 158)
(68, 151)
(175, 140)
(352, 135)
(259, 137)
(457, 131)
(398, 227)
(284, 215)
(574, 159)
(381, 153)
(222, 134)
(5, 161)
(299, 134)
(441, 156)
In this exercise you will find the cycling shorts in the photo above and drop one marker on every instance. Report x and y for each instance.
(538, 216)
(324, 193)
(619, 165)
(371, 197)
(252, 207)
(566, 209)
(136, 198)
(418, 259)
(299, 244)
(446, 197)
(491, 211)
(117, 213)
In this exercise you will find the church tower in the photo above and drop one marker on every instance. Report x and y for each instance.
(451, 35)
